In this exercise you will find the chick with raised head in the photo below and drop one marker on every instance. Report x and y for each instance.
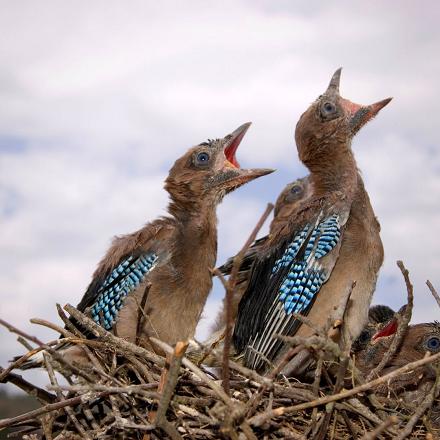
(155, 281)
(334, 240)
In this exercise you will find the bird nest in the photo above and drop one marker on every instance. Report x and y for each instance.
(129, 392)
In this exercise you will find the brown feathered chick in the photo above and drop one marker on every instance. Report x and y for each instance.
(155, 281)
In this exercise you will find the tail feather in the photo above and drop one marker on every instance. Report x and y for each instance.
(35, 361)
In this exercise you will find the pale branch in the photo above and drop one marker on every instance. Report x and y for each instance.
(259, 419)
(230, 294)
(433, 291)
(171, 381)
(403, 322)
(372, 435)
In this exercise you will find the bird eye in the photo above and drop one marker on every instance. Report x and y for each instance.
(202, 158)
(296, 189)
(328, 108)
(364, 336)
(433, 343)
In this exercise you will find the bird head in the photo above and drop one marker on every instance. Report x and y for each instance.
(331, 121)
(290, 196)
(210, 170)
(375, 339)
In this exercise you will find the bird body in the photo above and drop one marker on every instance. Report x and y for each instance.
(286, 204)
(417, 340)
(155, 281)
(333, 240)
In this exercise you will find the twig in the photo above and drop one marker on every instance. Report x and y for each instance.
(433, 291)
(61, 398)
(197, 371)
(143, 390)
(230, 293)
(141, 312)
(50, 407)
(172, 376)
(21, 333)
(427, 403)
(259, 419)
(106, 336)
(403, 322)
(29, 388)
(372, 435)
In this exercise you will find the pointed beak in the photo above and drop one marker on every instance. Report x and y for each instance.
(359, 115)
(233, 141)
(333, 87)
(232, 176)
(237, 177)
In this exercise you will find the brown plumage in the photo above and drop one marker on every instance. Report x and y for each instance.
(285, 206)
(181, 248)
(339, 208)
(416, 342)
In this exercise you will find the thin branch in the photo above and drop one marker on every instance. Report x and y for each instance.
(390, 421)
(427, 403)
(50, 407)
(433, 291)
(171, 381)
(197, 371)
(230, 294)
(259, 419)
(106, 336)
(29, 388)
(403, 322)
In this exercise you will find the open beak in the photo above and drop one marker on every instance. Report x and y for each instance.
(359, 115)
(233, 176)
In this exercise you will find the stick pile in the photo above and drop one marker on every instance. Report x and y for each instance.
(128, 392)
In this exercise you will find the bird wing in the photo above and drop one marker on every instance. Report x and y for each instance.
(248, 259)
(105, 296)
(285, 282)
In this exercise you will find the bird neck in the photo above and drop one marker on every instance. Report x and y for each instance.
(335, 172)
(196, 239)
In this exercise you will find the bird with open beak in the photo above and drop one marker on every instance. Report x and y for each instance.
(155, 281)
(334, 240)
(375, 340)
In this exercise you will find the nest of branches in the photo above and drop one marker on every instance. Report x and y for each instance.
(128, 392)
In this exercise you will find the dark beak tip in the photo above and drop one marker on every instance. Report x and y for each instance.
(334, 82)
(262, 171)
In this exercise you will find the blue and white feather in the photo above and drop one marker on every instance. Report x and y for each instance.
(300, 285)
(125, 278)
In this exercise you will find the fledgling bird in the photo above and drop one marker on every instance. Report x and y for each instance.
(333, 240)
(163, 270)
(378, 316)
(285, 206)
(416, 342)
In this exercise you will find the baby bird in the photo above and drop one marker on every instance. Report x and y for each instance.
(375, 340)
(155, 281)
(285, 207)
(308, 265)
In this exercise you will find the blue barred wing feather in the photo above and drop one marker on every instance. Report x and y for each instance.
(105, 298)
(286, 282)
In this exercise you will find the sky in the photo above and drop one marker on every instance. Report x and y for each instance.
(97, 100)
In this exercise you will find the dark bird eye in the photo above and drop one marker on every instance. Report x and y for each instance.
(328, 108)
(296, 189)
(433, 343)
(364, 336)
(202, 158)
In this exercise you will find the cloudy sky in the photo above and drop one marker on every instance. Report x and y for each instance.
(97, 99)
